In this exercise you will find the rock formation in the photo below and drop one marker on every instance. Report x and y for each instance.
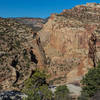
(67, 46)
(12, 95)
(20, 53)
(71, 41)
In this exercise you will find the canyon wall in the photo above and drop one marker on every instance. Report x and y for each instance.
(20, 54)
(71, 41)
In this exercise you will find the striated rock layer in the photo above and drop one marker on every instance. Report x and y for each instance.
(71, 41)
(20, 53)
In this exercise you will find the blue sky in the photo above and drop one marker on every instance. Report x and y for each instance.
(37, 8)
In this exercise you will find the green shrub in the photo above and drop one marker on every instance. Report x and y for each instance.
(36, 87)
(91, 81)
(62, 93)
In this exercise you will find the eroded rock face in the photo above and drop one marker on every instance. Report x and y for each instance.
(20, 53)
(71, 41)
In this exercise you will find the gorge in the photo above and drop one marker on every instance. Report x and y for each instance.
(65, 46)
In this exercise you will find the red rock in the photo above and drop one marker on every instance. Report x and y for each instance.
(69, 40)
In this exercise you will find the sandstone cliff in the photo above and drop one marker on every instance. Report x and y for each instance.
(71, 41)
(20, 53)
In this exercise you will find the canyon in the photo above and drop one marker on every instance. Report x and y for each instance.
(65, 46)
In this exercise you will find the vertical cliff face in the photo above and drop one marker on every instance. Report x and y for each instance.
(71, 42)
(20, 54)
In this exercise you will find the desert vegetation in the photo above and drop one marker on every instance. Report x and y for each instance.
(91, 84)
(37, 88)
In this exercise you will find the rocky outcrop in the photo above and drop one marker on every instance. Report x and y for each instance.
(20, 53)
(71, 42)
(12, 95)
